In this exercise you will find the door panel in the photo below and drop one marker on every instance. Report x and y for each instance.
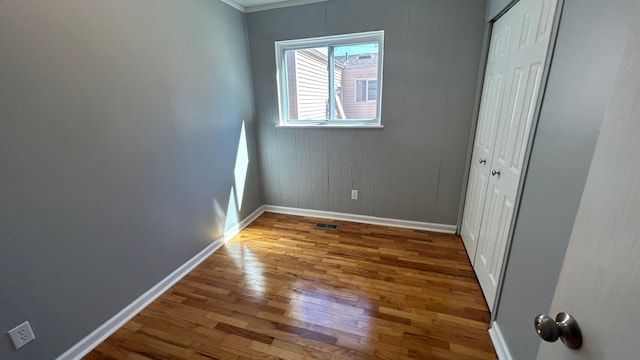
(600, 279)
(490, 256)
(515, 129)
(545, 24)
(486, 134)
(478, 179)
(528, 25)
(519, 134)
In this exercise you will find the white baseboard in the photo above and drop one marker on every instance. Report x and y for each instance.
(105, 330)
(441, 228)
(243, 224)
(498, 342)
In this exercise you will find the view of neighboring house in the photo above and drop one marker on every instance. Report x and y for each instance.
(359, 85)
(355, 88)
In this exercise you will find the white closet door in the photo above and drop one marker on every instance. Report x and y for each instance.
(530, 22)
(490, 107)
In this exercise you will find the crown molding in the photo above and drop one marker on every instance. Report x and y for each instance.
(234, 5)
(282, 4)
(278, 5)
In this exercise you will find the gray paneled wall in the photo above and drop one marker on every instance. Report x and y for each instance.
(495, 7)
(412, 169)
(119, 129)
(587, 57)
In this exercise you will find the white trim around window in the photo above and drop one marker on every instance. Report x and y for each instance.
(308, 72)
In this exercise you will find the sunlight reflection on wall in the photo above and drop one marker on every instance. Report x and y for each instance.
(231, 217)
(241, 168)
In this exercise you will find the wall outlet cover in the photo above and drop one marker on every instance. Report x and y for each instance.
(21, 335)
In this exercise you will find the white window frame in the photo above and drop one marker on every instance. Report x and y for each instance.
(330, 42)
(366, 90)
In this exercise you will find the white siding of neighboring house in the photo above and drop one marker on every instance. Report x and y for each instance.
(312, 84)
(308, 84)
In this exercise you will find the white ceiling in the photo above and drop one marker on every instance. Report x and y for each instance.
(259, 5)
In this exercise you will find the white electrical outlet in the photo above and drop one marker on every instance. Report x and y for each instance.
(354, 194)
(21, 335)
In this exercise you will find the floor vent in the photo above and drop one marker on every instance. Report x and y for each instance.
(326, 226)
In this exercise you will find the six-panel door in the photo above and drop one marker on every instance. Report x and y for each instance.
(491, 104)
(527, 29)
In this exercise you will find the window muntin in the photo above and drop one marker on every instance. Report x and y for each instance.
(316, 80)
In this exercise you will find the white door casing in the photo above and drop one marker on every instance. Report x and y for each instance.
(527, 29)
(599, 282)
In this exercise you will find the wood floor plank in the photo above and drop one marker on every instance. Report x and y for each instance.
(283, 290)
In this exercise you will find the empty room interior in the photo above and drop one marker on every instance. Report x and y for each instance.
(304, 179)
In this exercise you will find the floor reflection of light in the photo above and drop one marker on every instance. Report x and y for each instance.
(326, 307)
(251, 266)
(325, 310)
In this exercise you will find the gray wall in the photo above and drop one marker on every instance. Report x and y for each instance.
(585, 64)
(119, 128)
(413, 168)
(495, 7)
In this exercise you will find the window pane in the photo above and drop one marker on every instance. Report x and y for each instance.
(361, 90)
(308, 83)
(356, 72)
(372, 90)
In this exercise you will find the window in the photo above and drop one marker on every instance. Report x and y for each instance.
(316, 80)
(366, 90)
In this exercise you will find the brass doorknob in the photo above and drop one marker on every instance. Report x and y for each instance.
(495, 172)
(564, 327)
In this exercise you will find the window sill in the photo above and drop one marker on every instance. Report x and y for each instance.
(330, 126)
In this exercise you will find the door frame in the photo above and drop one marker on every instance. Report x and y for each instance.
(530, 141)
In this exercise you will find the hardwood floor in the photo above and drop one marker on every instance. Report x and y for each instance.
(281, 289)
